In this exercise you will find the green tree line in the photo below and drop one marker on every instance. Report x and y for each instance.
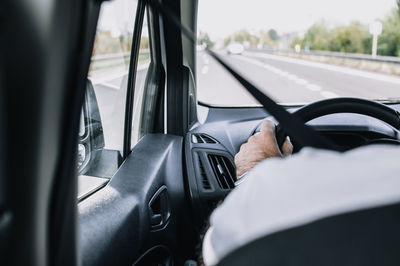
(354, 37)
(204, 39)
(265, 38)
(105, 43)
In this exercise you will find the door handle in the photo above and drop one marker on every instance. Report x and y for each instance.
(159, 209)
(156, 219)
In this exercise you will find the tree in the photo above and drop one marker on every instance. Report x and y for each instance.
(105, 43)
(242, 36)
(317, 37)
(296, 40)
(266, 40)
(204, 39)
(353, 38)
(398, 7)
(389, 41)
(273, 35)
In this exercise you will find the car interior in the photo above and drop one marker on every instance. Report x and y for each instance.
(148, 200)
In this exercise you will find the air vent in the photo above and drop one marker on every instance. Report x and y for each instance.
(204, 179)
(223, 170)
(203, 138)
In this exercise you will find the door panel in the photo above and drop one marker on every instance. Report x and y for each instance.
(119, 222)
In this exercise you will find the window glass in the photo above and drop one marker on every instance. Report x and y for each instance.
(299, 51)
(110, 66)
(102, 121)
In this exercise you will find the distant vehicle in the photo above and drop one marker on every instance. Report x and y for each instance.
(235, 48)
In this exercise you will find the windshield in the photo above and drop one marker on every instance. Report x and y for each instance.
(299, 51)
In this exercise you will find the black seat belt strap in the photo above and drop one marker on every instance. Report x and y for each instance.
(302, 134)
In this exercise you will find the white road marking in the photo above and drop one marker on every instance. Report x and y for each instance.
(313, 87)
(284, 74)
(339, 69)
(303, 82)
(328, 94)
(204, 70)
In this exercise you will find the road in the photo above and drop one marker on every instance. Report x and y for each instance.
(110, 88)
(286, 80)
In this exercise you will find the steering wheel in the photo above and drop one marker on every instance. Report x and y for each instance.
(343, 105)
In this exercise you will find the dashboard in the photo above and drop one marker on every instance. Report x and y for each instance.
(210, 147)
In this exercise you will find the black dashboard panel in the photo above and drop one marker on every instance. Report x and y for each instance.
(211, 174)
(231, 127)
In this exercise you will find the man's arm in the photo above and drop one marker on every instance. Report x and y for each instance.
(315, 184)
(259, 147)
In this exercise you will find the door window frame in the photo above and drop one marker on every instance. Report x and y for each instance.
(155, 76)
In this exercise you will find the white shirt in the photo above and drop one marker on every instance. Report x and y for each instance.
(279, 194)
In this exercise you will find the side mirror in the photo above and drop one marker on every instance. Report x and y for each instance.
(91, 138)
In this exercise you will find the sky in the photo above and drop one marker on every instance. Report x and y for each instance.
(117, 16)
(219, 18)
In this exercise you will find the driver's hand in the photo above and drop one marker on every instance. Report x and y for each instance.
(260, 146)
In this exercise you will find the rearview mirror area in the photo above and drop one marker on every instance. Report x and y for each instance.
(91, 138)
(93, 159)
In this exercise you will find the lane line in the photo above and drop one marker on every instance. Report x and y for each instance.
(339, 69)
(328, 94)
(313, 87)
(302, 82)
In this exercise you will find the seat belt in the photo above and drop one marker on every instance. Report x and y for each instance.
(301, 134)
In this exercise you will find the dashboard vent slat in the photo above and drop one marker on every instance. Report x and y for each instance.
(204, 179)
(223, 171)
(226, 166)
(203, 138)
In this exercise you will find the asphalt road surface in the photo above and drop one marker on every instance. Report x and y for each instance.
(286, 80)
(110, 88)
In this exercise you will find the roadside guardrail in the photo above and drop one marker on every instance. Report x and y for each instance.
(363, 57)
(116, 56)
(115, 60)
(110, 57)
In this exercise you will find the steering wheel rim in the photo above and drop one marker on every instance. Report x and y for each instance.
(343, 105)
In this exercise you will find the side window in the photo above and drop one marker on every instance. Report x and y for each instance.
(101, 134)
